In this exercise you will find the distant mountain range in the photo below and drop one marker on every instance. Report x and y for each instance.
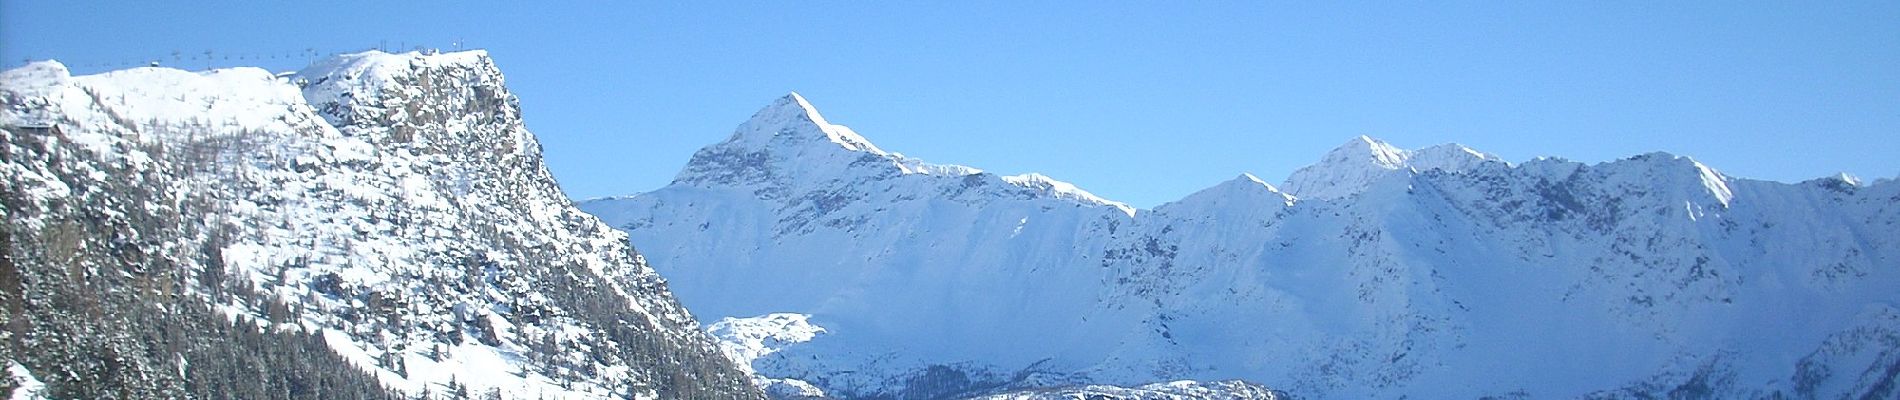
(382, 226)
(831, 267)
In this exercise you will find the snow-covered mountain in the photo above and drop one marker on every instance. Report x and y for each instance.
(836, 268)
(389, 211)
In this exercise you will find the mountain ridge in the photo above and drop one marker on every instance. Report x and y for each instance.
(389, 212)
(1375, 273)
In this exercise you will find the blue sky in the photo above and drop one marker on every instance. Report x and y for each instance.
(1139, 102)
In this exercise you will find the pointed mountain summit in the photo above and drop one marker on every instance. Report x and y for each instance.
(1351, 167)
(1245, 186)
(788, 147)
(1244, 192)
(786, 139)
(1367, 149)
(1681, 176)
(793, 120)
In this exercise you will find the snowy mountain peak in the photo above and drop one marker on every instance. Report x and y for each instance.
(1677, 172)
(336, 80)
(425, 103)
(1350, 168)
(1847, 178)
(793, 120)
(1365, 148)
(1249, 178)
(1251, 183)
(380, 66)
(40, 74)
(789, 141)
(1243, 192)
(404, 96)
(788, 147)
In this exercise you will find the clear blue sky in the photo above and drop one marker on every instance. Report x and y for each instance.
(1139, 102)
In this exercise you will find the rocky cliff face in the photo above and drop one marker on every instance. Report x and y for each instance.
(837, 268)
(392, 207)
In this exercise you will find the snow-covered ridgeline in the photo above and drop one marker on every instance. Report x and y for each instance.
(1377, 272)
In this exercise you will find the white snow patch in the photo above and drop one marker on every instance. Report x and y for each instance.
(25, 385)
(745, 340)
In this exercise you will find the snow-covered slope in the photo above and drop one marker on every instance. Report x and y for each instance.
(1378, 272)
(1177, 390)
(393, 203)
(792, 214)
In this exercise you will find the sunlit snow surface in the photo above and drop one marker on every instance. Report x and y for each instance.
(1176, 390)
(749, 339)
(25, 385)
(1377, 272)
